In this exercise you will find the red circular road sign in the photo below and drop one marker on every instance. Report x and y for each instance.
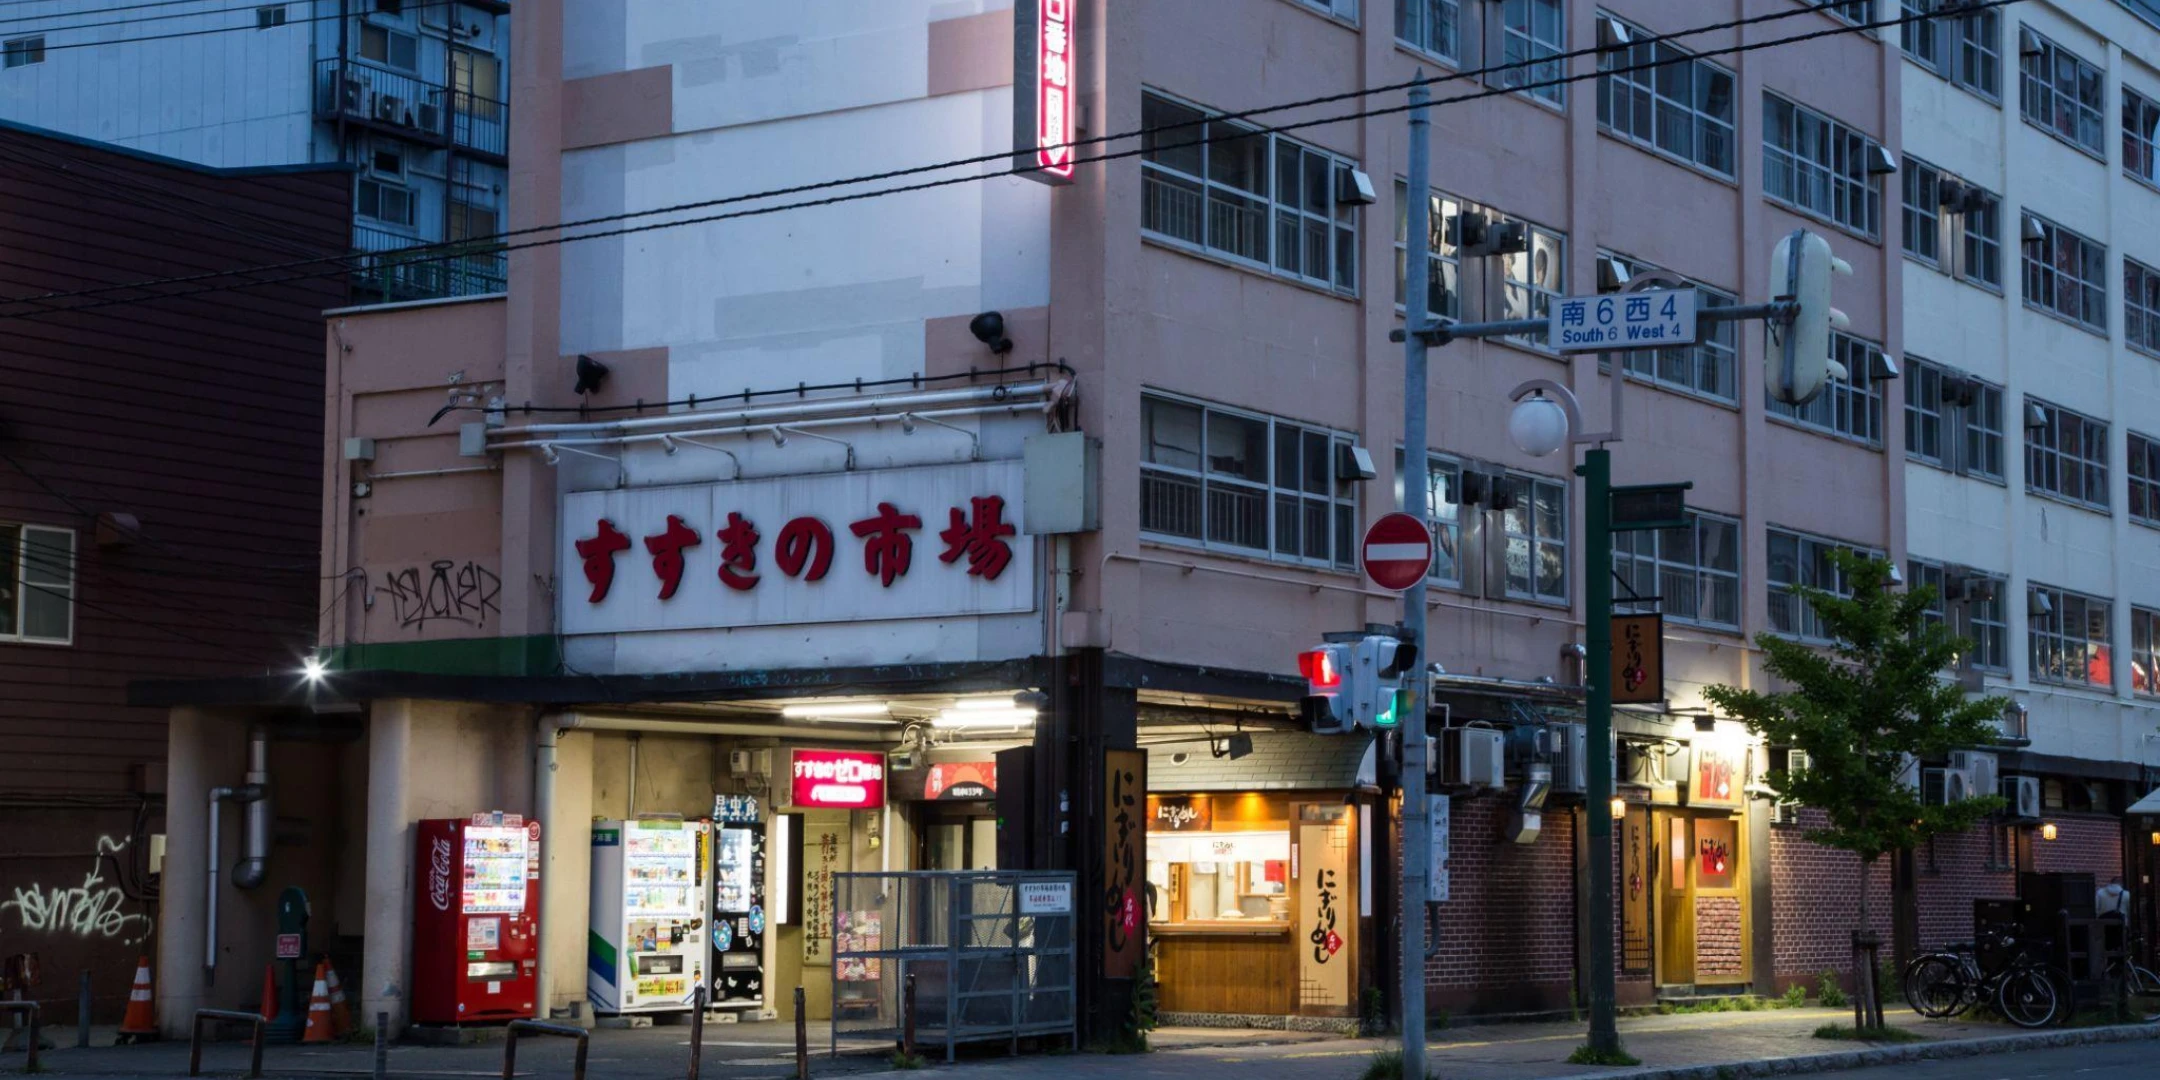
(1397, 552)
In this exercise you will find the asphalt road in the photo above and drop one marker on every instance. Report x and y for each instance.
(2109, 1061)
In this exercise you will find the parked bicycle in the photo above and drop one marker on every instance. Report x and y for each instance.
(2021, 986)
(2141, 988)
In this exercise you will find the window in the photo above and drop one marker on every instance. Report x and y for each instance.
(1243, 481)
(388, 161)
(1680, 108)
(2141, 122)
(1341, 9)
(1952, 420)
(1533, 277)
(267, 17)
(1429, 25)
(386, 46)
(1443, 515)
(22, 52)
(390, 7)
(1704, 368)
(1261, 199)
(1981, 224)
(2070, 641)
(2066, 274)
(1851, 407)
(1800, 559)
(2067, 456)
(1533, 34)
(2144, 651)
(37, 585)
(2144, 479)
(1444, 279)
(1923, 221)
(1960, 48)
(476, 83)
(1818, 165)
(385, 202)
(2141, 306)
(1977, 598)
(466, 221)
(1693, 571)
(2062, 93)
(1536, 530)
(1856, 12)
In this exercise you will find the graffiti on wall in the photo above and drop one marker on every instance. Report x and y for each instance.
(467, 594)
(95, 908)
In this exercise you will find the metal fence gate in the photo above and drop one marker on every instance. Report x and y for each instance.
(991, 952)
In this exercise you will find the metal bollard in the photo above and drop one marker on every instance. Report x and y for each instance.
(30, 1060)
(539, 1027)
(802, 1038)
(82, 1013)
(382, 1046)
(253, 1020)
(907, 1016)
(697, 1030)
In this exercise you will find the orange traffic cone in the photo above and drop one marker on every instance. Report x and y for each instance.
(140, 1023)
(340, 1012)
(318, 1008)
(269, 997)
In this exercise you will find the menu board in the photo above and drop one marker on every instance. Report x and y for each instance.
(659, 869)
(495, 879)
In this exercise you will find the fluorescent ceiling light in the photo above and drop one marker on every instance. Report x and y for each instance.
(835, 708)
(989, 704)
(984, 718)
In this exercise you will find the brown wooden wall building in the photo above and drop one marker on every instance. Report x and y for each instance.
(160, 493)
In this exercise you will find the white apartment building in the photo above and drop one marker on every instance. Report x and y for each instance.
(413, 93)
(2031, 230)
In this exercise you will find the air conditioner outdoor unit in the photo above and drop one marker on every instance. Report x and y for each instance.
(1941, 787)
(1474, 757)
(1571, 764)
(2021, 798)
(1787, 811)
(430, 117)
(1978, 769)
(389, 108)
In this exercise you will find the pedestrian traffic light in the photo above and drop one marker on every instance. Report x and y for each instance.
(1797, 357)
(1325, 708)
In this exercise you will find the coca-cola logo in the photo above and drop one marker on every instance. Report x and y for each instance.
(438, 882)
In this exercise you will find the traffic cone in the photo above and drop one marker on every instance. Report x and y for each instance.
(318, 1008)
(140, 1023)
(269, 998)
(340, 1012)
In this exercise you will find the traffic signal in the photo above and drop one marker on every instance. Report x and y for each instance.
(1325, 707)
(1797, 357)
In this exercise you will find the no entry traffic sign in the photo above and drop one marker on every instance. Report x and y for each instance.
(1397, 552)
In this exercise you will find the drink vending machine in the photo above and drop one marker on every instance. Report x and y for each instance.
(738, 903)
(646, 952)
(476, 940)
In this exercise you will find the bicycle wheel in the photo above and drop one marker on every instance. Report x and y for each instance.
(1935, 985)
(2027, 998)
(2143, 988)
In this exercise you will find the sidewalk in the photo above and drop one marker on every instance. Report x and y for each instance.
(1536, 1051)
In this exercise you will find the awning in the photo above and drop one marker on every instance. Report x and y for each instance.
(2150, 804)
(1280, 761)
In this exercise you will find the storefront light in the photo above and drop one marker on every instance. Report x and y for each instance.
(1004, 717)
(2047, 831)
(1619, 808)
(835, 709)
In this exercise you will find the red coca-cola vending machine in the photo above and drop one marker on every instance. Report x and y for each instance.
(476, 943)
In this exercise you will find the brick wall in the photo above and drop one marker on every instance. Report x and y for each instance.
(1813, 899)
(1954, 871)
(1506, 939)
(1717, 939)
(2084, 843)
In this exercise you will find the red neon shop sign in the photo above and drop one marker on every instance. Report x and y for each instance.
(839, 779)
(1053, 88)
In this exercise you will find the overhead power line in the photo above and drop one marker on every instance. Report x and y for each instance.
(480, 245)
(248, 26)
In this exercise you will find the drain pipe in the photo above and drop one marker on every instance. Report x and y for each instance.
(546, 729)
(631, 813)
(254, 844)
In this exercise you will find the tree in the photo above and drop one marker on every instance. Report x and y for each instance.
(1866, 711)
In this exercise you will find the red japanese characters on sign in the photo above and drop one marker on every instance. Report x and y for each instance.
(839, 779)
(1053, 88)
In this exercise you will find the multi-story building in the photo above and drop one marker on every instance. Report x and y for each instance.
(159, 478)
(2032, 388)
(740, 487)
(411, 93)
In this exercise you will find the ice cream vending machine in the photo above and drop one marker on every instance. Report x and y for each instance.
(476, 914)
(738, 903)
(646, 952)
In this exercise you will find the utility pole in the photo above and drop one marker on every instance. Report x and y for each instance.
(1596, 471)
(1416, 822)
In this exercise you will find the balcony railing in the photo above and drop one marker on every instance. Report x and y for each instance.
(388, 271)
(413, 107)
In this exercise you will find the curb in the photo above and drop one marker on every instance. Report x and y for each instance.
(1896, 1055)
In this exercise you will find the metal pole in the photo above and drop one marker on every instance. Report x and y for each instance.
(802, 1038)
(1596, 471)
(697, 1030)
(1416, 826)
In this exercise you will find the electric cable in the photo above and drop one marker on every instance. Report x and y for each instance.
(476, 245)
(251, 27)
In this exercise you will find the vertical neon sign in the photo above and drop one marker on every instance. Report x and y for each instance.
(1044, 113)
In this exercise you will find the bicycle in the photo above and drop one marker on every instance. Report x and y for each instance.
(2141, 987)
(1944, 984)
